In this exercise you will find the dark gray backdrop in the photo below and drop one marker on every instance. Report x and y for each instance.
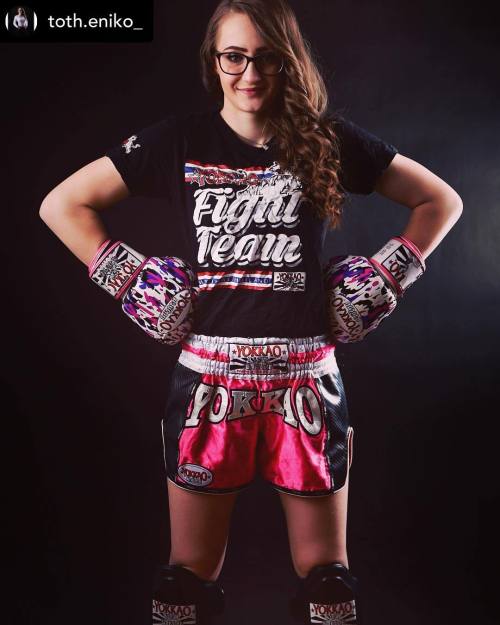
(85, 497)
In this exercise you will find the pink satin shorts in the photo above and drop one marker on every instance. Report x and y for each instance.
(240, 405)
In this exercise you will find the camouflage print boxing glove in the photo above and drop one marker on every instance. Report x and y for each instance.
(157, 293)
(361, 292)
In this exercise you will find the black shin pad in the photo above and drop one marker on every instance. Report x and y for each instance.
(181, 597)
(327, 596)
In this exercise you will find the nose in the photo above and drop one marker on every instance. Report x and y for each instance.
(251, 74)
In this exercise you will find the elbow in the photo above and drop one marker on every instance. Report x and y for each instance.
(458, 205)
(49, 207)
(451, 204)
(454, 209)
(457, 208)
(44, 209)
(446, 207)
(445, 198)
(454, 201)
(42, 214)
(51, 213)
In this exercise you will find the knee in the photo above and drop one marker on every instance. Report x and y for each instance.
(302, 564)
(204, 562)
(302, 568)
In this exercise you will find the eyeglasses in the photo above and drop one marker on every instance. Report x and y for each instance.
(235, 63)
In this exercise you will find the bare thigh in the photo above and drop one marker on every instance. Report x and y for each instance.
(199, 526)
(317, 529)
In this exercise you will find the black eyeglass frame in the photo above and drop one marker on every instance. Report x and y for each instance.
(248, 59)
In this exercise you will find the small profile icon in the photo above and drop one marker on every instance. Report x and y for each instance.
(21, 21)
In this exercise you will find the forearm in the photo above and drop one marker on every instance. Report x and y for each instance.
(430, 222)
(79, 227)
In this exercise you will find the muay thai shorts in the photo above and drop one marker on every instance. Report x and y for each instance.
(237, 406)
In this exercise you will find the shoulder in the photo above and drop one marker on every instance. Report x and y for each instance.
(149, 158)
(166, 125)
(351, 134)
(170, 129)
(363, 154)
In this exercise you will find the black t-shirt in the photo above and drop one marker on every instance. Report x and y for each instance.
(254, 245)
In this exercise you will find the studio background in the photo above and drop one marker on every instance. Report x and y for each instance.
(86, 514)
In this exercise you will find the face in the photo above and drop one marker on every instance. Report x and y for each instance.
(237, 30)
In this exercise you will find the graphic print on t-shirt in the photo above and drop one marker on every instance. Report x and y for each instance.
(257, 257)
(234, 211)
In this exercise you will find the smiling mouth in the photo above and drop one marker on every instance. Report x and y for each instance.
(251, 91)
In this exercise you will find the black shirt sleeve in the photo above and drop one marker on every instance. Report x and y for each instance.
(147, 160)
(363, 156)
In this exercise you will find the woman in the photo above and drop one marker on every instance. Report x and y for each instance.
(20, 20)
(257, 182)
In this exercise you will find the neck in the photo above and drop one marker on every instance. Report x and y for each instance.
(249, 127)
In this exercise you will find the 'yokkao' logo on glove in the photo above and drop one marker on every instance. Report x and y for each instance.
(362, 292)
(157, 293)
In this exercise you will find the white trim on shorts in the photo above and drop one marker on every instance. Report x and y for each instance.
(309, 356)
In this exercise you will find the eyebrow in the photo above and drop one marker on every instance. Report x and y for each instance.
(245, 50)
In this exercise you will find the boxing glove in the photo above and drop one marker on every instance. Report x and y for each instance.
(361, 292)
(157, 293)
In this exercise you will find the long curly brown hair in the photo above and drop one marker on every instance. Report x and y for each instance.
(307, 145)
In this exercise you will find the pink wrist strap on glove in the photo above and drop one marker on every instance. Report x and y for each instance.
(97, 255)
(400, 263)
(115, 266)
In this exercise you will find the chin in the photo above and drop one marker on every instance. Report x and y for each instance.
(252, 105)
